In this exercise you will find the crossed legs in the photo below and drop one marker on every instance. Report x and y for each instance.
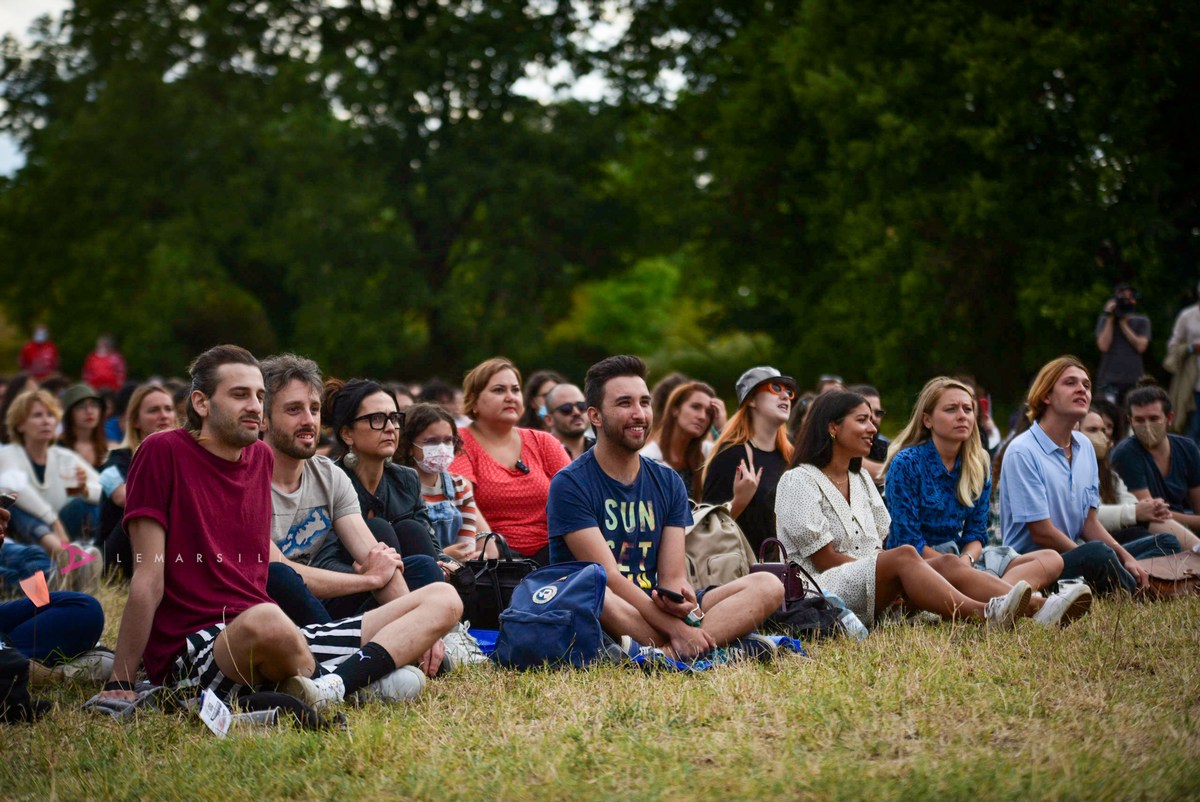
(263, 645)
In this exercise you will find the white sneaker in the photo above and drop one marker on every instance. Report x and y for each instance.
(94, 665)
(461, 648)
(403, 684)
(1065, 606)
(1002, 611)
(316, 693)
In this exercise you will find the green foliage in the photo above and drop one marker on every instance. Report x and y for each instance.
(884, 191)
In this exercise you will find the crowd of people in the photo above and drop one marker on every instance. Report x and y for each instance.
(280, 528)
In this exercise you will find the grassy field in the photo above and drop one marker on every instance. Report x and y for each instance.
(1107, 709)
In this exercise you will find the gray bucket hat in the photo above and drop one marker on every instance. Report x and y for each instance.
(752, 378)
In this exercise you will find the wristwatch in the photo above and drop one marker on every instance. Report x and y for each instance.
(694, 617)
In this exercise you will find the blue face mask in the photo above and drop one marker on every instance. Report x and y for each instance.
(542, 411)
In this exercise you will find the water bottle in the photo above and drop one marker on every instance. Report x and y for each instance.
(255, 718)
(850, 622)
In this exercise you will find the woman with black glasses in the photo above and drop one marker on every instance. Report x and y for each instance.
(366, 427)
(753, 452)
(680, 438)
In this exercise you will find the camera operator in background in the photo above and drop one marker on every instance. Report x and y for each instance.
(1122, 336)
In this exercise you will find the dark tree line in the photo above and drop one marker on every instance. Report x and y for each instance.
(882, 190)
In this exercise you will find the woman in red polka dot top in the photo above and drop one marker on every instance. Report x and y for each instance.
(510, 467)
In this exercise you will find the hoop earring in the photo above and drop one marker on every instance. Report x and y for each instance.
(350, 460)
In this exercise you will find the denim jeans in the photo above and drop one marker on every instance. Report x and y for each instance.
(28, 528)
(18, 561)
(70, 624)
(1153, 546)
(79, 518)
(419, 570)
(287, 589)
(1098, 565)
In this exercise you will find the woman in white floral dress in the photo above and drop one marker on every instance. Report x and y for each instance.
(832, 519)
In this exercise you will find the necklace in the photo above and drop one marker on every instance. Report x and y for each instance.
(836, 482)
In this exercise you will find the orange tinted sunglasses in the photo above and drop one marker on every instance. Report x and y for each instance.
(778, 388)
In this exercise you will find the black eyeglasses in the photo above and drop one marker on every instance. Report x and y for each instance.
(566, 409)
(380, 420)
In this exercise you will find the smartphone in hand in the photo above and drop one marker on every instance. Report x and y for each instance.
(678, 598)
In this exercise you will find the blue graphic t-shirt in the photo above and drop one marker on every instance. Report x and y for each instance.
(630, 517)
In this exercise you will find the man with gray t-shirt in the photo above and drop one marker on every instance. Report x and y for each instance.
(312, 500)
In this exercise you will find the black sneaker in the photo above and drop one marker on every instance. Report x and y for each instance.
(752, 647)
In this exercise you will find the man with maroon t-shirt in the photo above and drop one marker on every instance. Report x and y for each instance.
(198, 513)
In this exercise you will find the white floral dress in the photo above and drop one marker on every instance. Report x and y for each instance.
(811, 512)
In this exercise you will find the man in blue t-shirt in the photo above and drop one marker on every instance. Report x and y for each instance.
(613, 507)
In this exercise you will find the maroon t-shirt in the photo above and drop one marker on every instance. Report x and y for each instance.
(217, 515)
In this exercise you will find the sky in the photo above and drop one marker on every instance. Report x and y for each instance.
(17, 15)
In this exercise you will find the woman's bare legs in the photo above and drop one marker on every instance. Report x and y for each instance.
(1038, 568)
(903, 573)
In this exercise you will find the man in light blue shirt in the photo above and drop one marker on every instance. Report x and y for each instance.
(1050, 485)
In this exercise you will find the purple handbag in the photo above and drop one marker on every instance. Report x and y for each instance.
(790, 573)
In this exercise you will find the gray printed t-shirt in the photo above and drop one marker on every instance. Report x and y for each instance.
(301, 521)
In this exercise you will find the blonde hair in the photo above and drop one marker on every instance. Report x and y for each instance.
(22, 407)
(975, 464)
(134, 436)
(738, 430)
(1044, 383)
(477, 378)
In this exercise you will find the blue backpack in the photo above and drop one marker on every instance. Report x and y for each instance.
(554, 618)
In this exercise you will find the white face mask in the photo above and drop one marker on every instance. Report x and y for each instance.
(437, 458)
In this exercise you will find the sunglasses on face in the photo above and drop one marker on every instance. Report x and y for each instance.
(566, 409)
(380, 420)
(778, 388)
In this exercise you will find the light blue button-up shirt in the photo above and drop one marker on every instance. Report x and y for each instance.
(1037, 482)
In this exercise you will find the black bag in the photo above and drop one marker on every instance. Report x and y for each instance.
(486, 586)
(805, 612)
(15, 702)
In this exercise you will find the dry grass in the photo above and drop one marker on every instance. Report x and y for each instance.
(1108, 709)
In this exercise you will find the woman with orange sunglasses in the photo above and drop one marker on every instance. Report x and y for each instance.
(752, 452)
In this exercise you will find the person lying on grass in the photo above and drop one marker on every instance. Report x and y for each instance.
(198, 512)
(831, 517)
(626, 512)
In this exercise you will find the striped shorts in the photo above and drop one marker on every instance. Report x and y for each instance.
(195, 669)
